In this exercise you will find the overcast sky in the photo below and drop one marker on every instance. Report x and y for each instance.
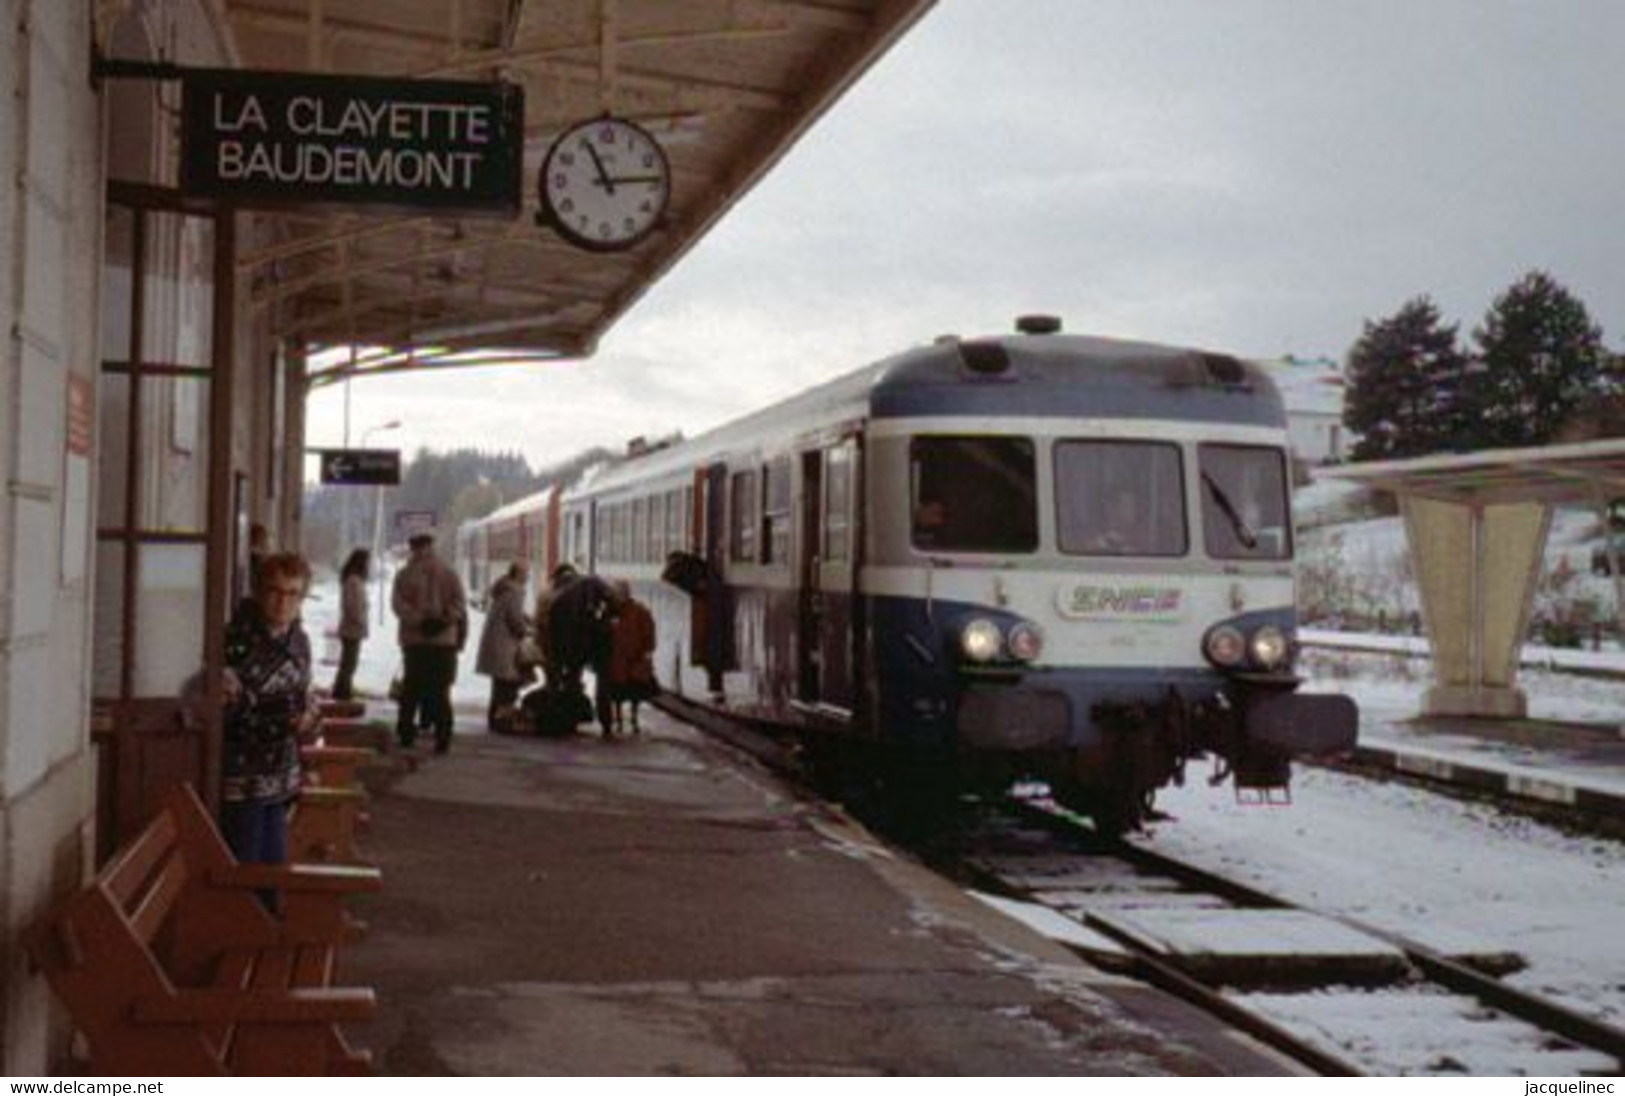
(1255, 176)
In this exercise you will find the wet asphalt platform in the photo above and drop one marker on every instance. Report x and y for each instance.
(663, 905)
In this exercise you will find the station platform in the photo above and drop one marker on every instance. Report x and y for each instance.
(663, 905)
(1579, 765)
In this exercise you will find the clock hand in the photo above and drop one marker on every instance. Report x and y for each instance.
(637, 179)
(597, 162)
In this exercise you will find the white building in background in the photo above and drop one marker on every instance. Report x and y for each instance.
(1313, 389)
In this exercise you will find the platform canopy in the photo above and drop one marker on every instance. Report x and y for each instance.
(727, 86)
(1553, 474)
(1476, 526)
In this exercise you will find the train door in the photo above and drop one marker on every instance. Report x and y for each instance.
(809, 645)
(710, 623)
(829, 617)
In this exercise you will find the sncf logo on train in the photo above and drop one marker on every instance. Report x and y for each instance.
(280, 139)
(1087, 601)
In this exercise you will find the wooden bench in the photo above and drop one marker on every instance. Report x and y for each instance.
(331, 766)
(359, 733)
(169, 964)
(332, 807)
(343, 709)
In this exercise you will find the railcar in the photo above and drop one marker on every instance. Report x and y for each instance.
(1038, 555)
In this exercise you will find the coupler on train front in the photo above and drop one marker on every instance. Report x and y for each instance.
(1253, 727)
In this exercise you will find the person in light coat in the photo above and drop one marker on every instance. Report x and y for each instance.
(505, 630)
(353, 613)
(432, 609)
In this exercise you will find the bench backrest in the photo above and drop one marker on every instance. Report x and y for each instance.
(139, 930)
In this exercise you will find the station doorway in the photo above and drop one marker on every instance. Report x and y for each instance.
(165, 538)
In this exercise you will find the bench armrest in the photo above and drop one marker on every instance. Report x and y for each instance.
(357, 755)
(328, 795)
(256, 1006)
(296, 878)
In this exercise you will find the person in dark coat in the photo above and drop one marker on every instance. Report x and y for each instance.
(504, 631)
(268, 708)
(578, 627)
(561, 576)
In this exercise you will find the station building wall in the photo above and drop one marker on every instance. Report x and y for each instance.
(63, 284)
(50, 217)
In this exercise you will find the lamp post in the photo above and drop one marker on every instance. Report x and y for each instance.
(378, 518)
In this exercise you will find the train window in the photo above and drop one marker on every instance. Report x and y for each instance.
(837, 503)
(776, 511)
(656, 547)
(1120, 498)
(688, 538)
(742, 513)
(1245, 510)
(674, 525)
(973, 494)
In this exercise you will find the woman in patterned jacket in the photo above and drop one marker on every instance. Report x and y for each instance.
(268, 708)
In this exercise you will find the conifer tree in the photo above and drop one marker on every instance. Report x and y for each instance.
(1542, 359)
(1405, 376)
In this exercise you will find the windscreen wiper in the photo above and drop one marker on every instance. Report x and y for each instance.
(1244, 533)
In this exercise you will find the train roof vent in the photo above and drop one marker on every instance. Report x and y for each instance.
(1224, 369)
(985, 356)
(1038, 324)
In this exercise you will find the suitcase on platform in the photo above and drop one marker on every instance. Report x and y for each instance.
(556, 712)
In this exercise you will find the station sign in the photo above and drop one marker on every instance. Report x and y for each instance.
(361, 467)
(409, 523)
(279, 139)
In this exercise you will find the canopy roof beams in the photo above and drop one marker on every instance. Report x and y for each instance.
(727, 85)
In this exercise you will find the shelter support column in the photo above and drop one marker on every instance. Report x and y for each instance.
(1477, 566)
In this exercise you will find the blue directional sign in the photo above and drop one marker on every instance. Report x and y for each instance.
(361, 467)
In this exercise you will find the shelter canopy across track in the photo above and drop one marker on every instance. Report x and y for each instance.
(1476, 525)
(725, 86)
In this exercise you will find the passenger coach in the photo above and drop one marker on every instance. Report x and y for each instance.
(1039, 555)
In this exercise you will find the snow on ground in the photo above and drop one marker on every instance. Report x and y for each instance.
(380, 657)
(1393, 685)
(1427, 866)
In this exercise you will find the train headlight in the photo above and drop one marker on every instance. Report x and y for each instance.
(1026, 641)
(1268, 647)
(1226, 646)
(981, 640)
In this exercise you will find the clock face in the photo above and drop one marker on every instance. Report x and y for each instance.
(605, 184)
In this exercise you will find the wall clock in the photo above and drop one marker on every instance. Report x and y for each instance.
(605, 184)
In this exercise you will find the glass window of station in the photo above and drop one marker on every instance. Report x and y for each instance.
(1246, 513)
(1120, 498)
(973, 494)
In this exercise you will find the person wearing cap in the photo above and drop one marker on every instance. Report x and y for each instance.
(432, 610)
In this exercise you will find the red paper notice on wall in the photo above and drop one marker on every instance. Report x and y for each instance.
(81, 415)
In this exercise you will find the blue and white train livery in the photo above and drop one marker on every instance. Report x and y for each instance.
(1040, 555)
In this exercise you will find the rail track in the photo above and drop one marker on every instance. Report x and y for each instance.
(1339, 996)
(1354, 999)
